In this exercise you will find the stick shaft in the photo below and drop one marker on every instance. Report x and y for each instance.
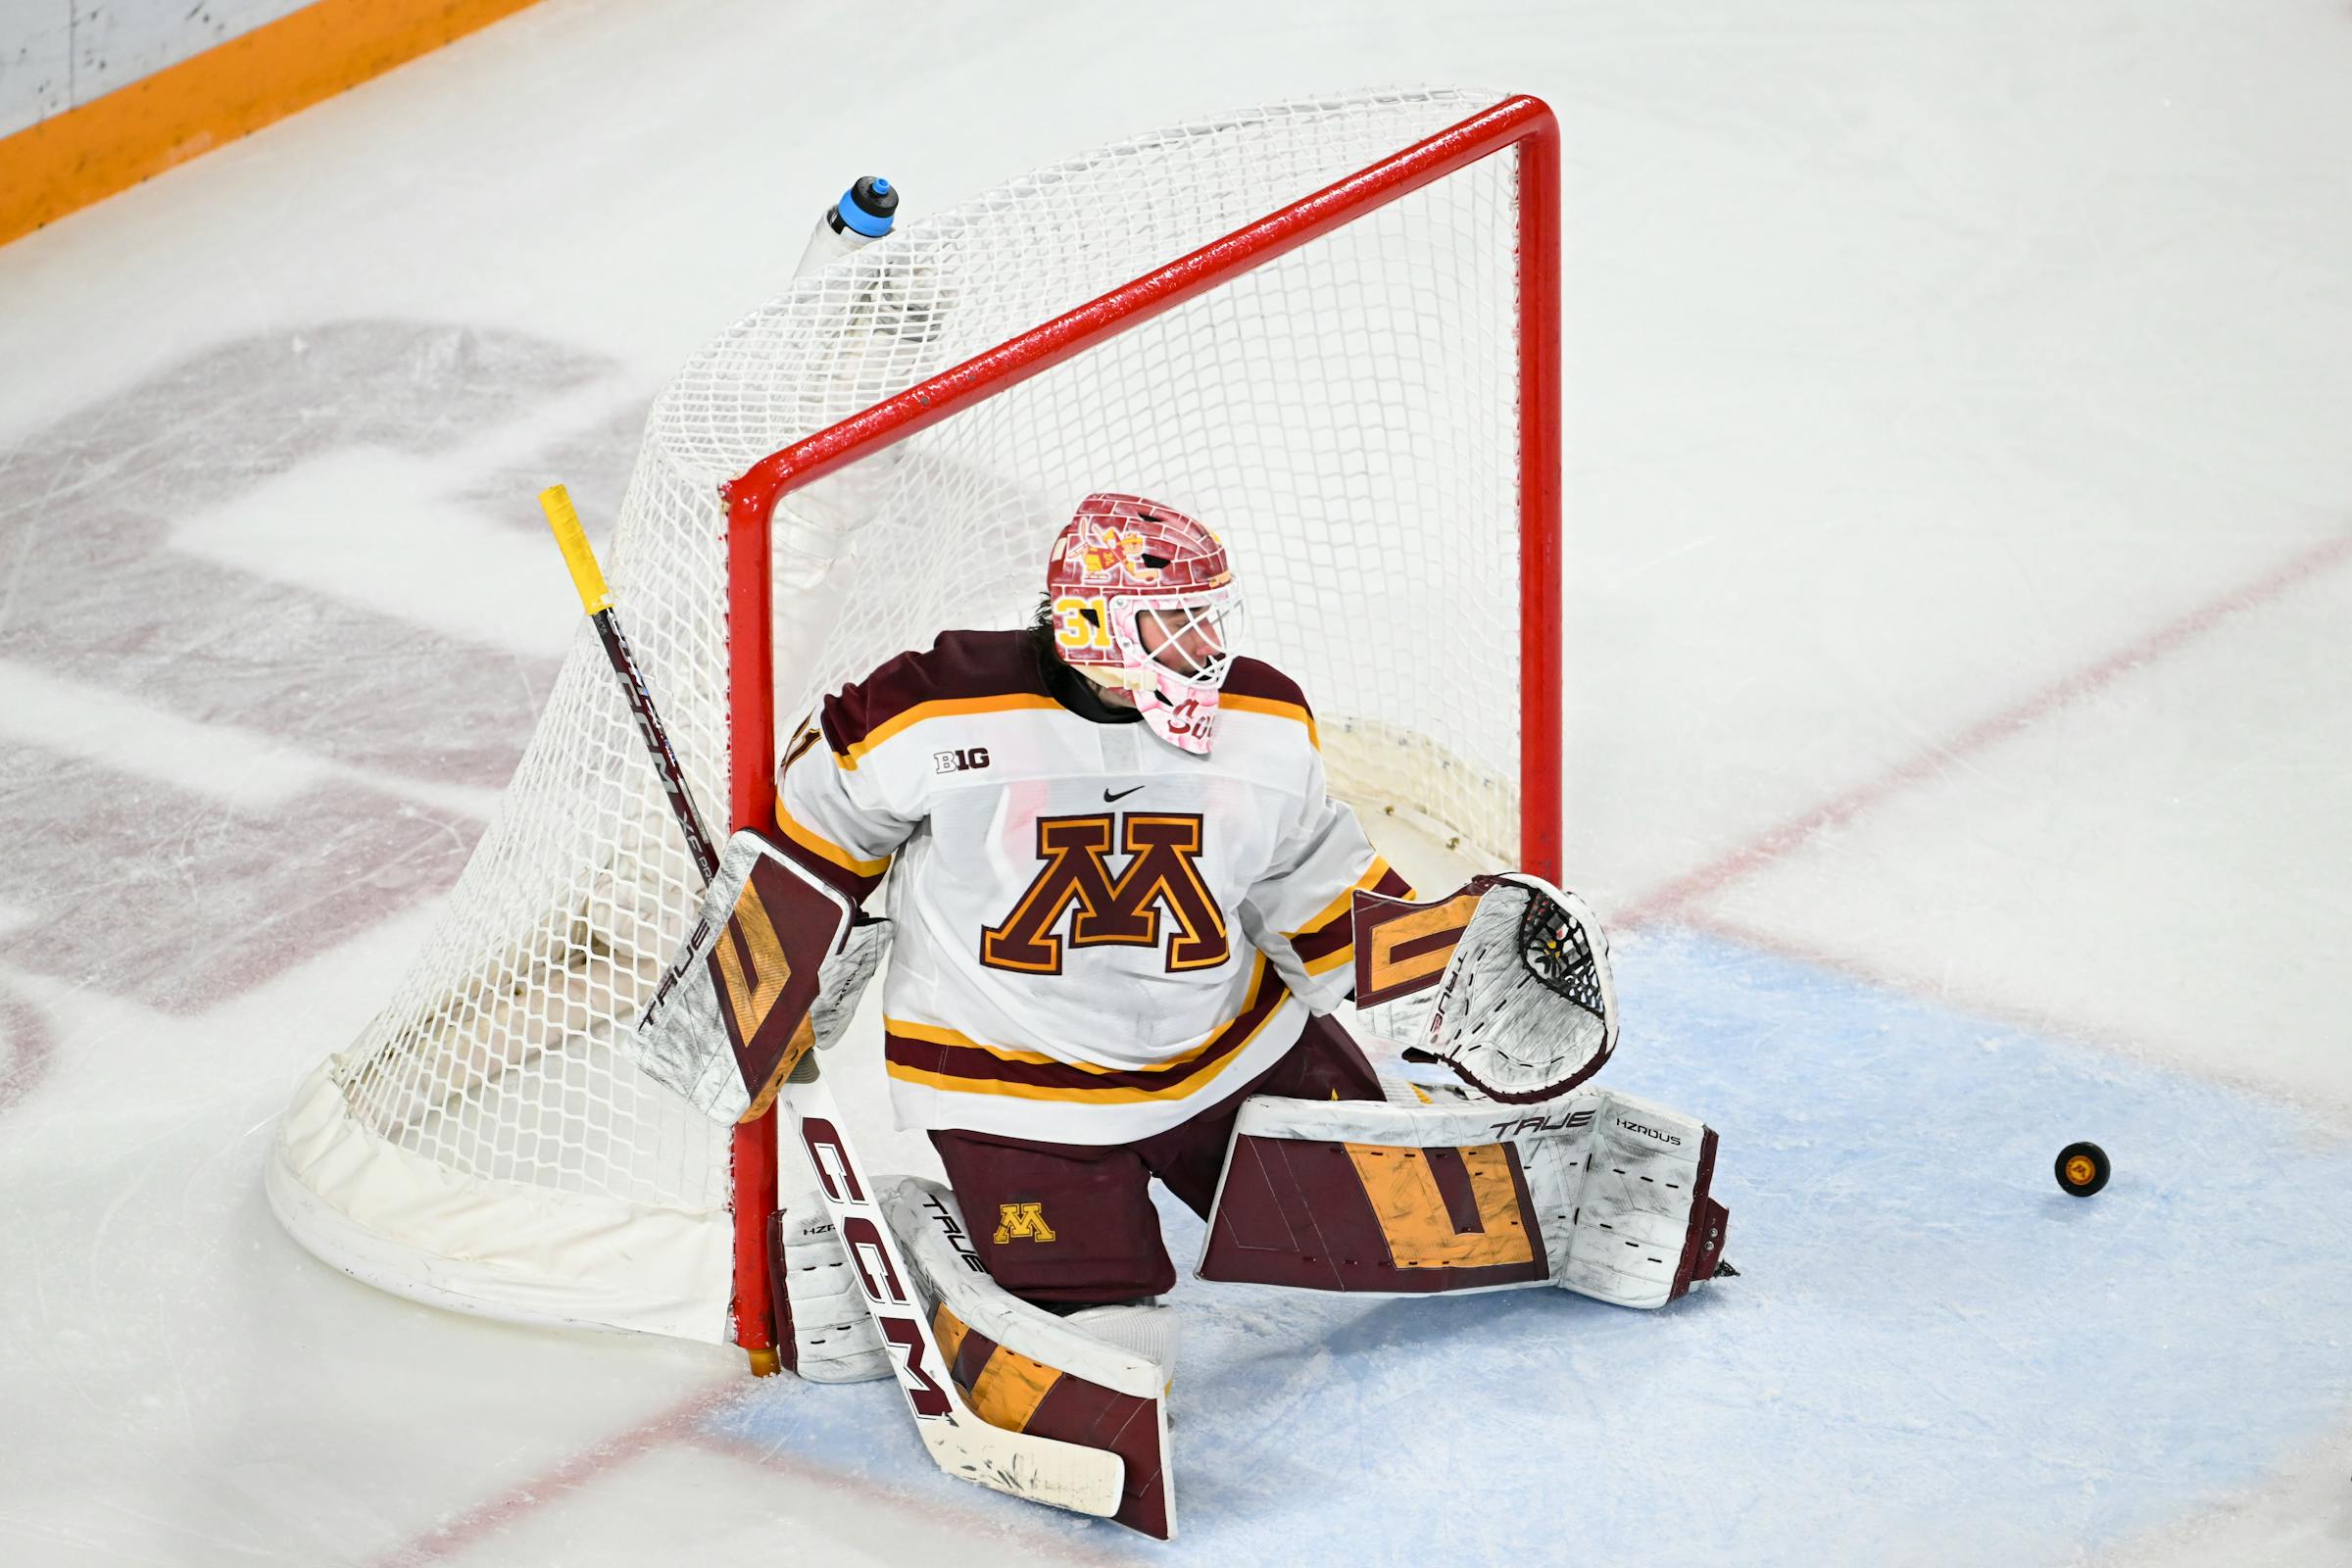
(596, 600)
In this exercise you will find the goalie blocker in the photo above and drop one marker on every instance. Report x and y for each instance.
(1523, 1181)
(774, 968)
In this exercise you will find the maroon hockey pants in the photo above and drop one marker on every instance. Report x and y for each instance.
(1074, 1222)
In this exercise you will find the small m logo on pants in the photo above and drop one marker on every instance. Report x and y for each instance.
(1024, 1223)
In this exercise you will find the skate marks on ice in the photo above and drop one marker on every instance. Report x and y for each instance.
(1932, 1354)
(215, 770)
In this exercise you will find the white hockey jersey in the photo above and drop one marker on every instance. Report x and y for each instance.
(1097, 935)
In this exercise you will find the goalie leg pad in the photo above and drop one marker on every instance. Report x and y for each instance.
(1099, 1378)
(826, 1333)
(1599, 1193)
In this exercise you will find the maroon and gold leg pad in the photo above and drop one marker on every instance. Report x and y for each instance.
(1343, 1215)
(1595, 1191)
(1019, 1393)
(1024, 1369)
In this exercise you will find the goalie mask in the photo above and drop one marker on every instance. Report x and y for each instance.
(1143, 599)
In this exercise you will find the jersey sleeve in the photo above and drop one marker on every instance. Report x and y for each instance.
(1301, 912)
(833, 818)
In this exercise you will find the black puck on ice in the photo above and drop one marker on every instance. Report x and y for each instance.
(2083, 1169)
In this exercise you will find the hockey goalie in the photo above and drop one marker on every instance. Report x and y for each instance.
(1122, 914)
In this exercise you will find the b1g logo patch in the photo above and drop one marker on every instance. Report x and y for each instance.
(1021, 1222)
(960, 762)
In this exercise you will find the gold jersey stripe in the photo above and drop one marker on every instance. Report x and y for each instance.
(1333, 959)
(816, 844)
(1273, 708)
(1106, 1096)
(940, 1035)
(1343, 905)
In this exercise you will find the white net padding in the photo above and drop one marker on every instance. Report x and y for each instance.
(1346, 416)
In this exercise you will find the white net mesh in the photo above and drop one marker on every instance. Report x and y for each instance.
(1346, 416)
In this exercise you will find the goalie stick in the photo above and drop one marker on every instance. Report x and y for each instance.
(1066, 1475)
(596, 600)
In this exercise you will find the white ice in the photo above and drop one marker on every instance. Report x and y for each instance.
(1960, 495)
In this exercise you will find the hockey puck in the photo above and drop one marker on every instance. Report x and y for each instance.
(2083, 1169)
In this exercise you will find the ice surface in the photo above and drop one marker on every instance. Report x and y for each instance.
(1958, 504)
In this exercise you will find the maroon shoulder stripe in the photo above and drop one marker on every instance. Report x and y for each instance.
(958, 663)
(1255, 677)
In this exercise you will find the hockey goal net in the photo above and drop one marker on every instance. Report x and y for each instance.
(1328, 328)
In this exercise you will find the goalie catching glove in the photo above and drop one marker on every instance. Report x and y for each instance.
(775, 967)
(1506, 981)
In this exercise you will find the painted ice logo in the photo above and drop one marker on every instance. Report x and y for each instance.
(1021, 1222)
(1163, 873)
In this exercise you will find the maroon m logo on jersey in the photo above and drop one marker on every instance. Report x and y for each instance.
(1163, 873)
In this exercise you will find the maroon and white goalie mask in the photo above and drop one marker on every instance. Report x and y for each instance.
(1143, 599)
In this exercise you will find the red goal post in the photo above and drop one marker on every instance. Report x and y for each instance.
(1520, 122)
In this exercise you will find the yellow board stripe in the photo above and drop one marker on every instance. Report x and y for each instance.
(939, 707)
(89, 152)
(1273, 708)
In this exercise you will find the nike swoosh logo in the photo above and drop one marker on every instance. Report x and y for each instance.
(1108, 796)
